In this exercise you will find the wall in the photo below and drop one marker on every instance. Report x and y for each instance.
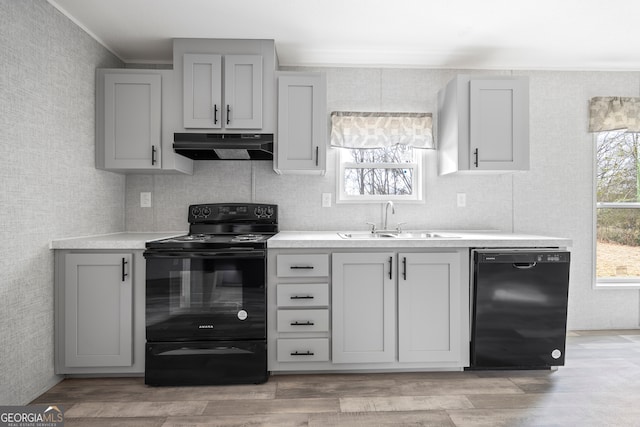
(50, 188)
(554, 198)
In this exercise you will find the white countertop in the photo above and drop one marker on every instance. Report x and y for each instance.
(329, 239)
(463, 239)
(113, 241)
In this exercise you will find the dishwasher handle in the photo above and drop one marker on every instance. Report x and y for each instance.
(524, 265)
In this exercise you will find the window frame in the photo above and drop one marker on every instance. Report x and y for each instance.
(418, 186)
(613, 282)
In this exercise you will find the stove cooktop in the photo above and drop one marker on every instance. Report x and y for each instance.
(211, 241)
(225, 226)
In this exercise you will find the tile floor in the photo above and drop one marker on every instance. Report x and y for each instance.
(598, 386)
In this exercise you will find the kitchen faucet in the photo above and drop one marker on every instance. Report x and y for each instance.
(386, 212)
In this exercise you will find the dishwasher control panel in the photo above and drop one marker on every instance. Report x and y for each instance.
(529, 256)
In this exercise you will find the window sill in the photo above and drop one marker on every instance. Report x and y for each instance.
(621, 284)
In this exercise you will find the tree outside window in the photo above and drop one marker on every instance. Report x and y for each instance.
(390, 173)
(618, 207)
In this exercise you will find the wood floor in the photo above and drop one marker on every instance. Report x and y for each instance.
(598, 386)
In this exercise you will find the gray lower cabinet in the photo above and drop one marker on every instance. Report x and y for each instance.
(429, 312)
(431, 308)
(363, 304)
(364, 309)
(99, 312)
(298, 318)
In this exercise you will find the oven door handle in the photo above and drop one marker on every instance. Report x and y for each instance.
(222, 254)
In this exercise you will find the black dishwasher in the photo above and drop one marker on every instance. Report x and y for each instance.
(519, 311)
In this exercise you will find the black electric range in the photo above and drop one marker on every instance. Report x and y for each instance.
(206, 298)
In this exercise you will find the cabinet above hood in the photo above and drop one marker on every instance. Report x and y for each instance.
(224, 146)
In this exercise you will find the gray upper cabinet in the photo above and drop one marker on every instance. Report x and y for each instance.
(483, 124)
(225, 85)
(132, 120)
(202, 91)
(131, 124)
(302, 123)
(208, 106)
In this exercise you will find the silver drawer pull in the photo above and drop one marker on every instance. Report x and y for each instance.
(301, 297)
(307, 323)
(306, 353)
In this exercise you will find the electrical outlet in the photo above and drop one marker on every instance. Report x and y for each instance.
(145, 199)
(462, 200)
(326, 200)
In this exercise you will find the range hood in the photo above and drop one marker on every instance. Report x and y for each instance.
(224, 146)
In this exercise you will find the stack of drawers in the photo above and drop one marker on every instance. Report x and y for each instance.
(302, 299)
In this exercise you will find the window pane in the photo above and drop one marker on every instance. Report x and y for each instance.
(378, 181)
(618, 246)
(618, 229)
(394, 154)
(617, 166)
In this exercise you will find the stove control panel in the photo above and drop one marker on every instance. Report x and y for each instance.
(263, 211)
(232, 212)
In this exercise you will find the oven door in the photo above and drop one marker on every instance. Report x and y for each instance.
(205, 295)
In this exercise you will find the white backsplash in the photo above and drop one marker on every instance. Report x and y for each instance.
(299, 196)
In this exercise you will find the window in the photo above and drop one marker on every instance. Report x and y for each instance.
(378, 174)
(380, 154)
(617, 207)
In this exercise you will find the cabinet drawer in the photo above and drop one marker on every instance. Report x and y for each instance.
(303, 350)
(303, 295)
(303, 320)
(305, 265)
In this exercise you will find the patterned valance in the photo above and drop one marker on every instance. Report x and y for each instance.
(378, 130)
(614, 113)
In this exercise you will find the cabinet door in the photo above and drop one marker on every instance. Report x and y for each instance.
(243, 91)
(302, 109)
(498, 124)
(202, 93)
(428, 307)
(363, 307)
(132, 121)
(98, 310)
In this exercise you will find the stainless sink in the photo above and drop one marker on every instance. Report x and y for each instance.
(396, 235)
